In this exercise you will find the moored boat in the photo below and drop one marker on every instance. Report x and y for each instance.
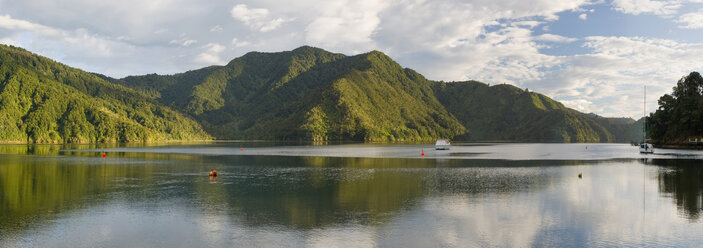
(645, 147)
(442, 144)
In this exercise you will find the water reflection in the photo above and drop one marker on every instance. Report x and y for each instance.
(301, 192)
(682, 180)
(57, 196)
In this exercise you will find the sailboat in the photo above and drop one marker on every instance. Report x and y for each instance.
(645, 147)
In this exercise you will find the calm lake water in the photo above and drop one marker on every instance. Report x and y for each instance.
(475, 195)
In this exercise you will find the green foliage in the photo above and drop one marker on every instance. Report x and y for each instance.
(304, 94)
(680, 115)
(507, 113)
(42, 101)
(310, 94)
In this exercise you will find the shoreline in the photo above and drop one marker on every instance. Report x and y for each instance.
(298, 142)
(680, 146)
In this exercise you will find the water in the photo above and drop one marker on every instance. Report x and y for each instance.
(349, 196)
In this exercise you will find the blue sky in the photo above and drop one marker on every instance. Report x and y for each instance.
(594, 56)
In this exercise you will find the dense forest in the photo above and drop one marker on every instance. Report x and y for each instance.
(506, 113)
(42, 101)
(304, 94)
(680, 115)
(312, 94)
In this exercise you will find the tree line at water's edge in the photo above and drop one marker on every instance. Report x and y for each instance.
(303, 94)
(679, 119)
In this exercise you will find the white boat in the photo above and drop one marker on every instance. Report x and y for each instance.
(442, 144)
(645, 147)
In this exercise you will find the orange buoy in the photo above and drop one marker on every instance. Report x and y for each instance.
(213, 173)
(103, 155)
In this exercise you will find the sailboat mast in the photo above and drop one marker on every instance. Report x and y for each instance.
(644, 123)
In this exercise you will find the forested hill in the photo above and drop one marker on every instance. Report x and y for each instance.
(43, 101)
(312, 94)
(506, 113)
(308, 94)
(304, 94)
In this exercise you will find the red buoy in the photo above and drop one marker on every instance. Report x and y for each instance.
(103, 155)
(422, 154)
(213, 173)
(587, 148)
(241, 149)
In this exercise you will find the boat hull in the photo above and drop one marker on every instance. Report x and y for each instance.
(646, 148)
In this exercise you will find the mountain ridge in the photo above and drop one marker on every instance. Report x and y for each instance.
(312, 94)
(347, 75)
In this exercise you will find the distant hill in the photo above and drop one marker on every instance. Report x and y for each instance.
(312, 94)
(42, 101)
(506, 113)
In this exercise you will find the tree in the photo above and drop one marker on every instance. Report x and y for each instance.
(680, 115)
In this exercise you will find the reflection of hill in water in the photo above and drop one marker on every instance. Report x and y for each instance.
(298, 192)
(682, 180)
(314, 192)
(33, 187)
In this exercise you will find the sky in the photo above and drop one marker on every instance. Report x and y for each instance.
(593, 56)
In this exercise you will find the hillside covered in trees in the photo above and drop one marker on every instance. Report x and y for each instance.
(506, 113)
(680, 115)
(312, 94)
(42, 101)
(308, 94)
(304, 94)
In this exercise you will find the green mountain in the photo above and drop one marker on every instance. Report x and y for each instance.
(308, 94)
(42, 101)
(312, 94)
(304, 94)
(507, 113)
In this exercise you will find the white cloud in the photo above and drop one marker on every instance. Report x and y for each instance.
(248, 16)
(617, 69)
(351, 23)
(636, 7)
(93, 45)
(183, 41)
(256, 18)
(554, 38)
(693, 20)
(425, 35)
(7, 22)
(8, 41)
(216, 28)
(236, 42)
(583, 16)
(582, 105)
(211, 55)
